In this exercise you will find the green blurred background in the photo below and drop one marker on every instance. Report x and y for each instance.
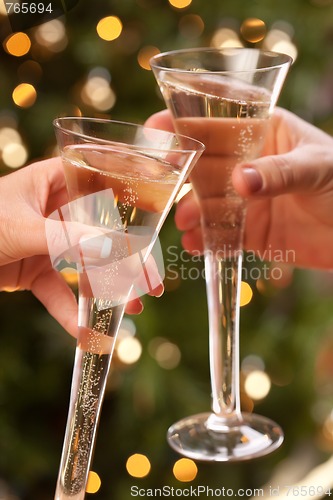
(66, 67)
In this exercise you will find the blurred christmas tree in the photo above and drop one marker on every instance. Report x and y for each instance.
(95, 61)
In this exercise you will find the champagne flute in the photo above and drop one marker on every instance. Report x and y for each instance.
(224, 98)
(122, 180)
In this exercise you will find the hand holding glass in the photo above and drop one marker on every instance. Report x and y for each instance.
(122, 180)
(224, 98)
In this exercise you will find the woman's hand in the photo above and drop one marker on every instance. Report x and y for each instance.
(27, 197)
(289, 191)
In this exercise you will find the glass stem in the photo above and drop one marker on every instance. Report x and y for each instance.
(223, 281)
(98, 326)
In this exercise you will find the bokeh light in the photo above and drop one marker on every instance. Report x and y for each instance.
(52, 35)
(180, 4)
(253, 30)
(24, 95)
(109, 28)
(138, 465)
(167, 355)
(17, 44)
(14, 155)
(185, 470)
(225, 37)
(246, 294)
(93, 483)
(278, 39)
(129, 350)
(97, 92)
(145, 54)
(257, 384)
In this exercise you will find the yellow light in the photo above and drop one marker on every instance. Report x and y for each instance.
(129, 350)
(253, 29)
(93, 483)
(185, 470)
(138, 465)
(109, 28)
(14, 155)
(180, 4)
(246, 294)
(257, 384)
(24, 95)
(18, 44)
(145, 54)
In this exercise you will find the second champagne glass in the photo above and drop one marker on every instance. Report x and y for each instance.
(224, 98)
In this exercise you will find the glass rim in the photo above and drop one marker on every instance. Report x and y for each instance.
(286, 59)
(198, 146)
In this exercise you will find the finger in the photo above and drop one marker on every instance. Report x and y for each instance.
(304, 170)
(134, 306)
(187, 214)
(161, 120)
(192, 241)
(57, 297)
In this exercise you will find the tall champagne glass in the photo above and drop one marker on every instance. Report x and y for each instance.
(122, 180)
(224, 98)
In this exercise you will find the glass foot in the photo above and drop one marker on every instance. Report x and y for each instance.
(210, 438)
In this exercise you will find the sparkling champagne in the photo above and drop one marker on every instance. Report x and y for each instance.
(233, 131)
(141, 189)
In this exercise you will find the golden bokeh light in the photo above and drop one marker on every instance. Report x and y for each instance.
(257, 384)
(17, 44)
(185, 470)
(145, 54)
(180, 4)
(253, 30)
(129, 350)
(138, 465)
(246, 294)
(93, 483)
(24, 95)
(109, 28)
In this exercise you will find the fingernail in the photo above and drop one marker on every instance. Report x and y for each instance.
(252, 179)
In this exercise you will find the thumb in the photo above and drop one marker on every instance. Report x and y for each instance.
(307, 169)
